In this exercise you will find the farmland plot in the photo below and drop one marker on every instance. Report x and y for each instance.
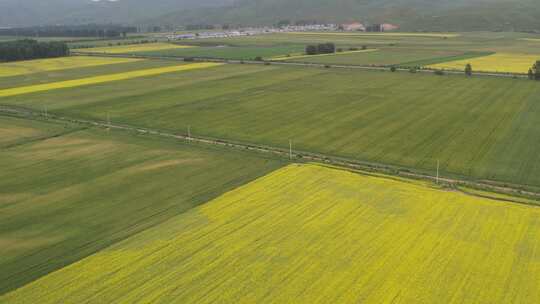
(44, 77)
(310, 234)
(65, 195)
(133, 48)
(228, 52)
(14, 131)
(378, 57)
(484, 128)
(103, 79)
(499, 62)
(56, 64)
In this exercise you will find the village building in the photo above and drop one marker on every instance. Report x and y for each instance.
(354, 26)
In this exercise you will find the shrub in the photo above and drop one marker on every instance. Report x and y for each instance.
(468, 69)
(258, 58)
(535, 71)
(311, 50)
(439, 72)
(189, 59)
(326, 48)
(323, 48)
(393, 69)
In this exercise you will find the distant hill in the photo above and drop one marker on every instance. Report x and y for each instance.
(14, 13)
(429, 15)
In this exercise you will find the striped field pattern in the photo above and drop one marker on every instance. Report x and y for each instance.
(310, 234)
(103, 79)
(479, 127)
(56, 64)
(132, 48)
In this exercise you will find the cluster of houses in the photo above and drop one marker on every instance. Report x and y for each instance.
(223, 33)
(354, 26)
(378, 27)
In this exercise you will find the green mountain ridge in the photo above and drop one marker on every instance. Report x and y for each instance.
(435, 15)
(17, 13)
(415, 15)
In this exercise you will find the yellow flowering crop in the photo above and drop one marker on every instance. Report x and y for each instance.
(54, 64)
(103, 78)
(499, 62)
(311, 234)
(388, 34)
(145, 47)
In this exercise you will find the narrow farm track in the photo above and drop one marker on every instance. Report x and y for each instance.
(293, 155)
(302, 64)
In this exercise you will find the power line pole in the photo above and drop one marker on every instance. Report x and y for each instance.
(189, 133)
(437, 171)
(108, 121)
(290, 149)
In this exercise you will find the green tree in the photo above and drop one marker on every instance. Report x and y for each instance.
(536, 70)
(311, 50)
(530, 74)
(468, 69)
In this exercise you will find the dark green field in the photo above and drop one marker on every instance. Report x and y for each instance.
(484, 128)
(388, 56)
(66, 193)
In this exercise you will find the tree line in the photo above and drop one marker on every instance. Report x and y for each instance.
(93, 30)
(31, 49)
(534, 71)
(323, 48)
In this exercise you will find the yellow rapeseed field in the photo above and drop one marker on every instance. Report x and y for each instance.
(145, 47)
(388, 34)
(499, 62)
(103, 78)
(55, 64)
(280, 58)
(311, 234)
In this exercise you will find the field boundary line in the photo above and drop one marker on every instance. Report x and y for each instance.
(295, 155)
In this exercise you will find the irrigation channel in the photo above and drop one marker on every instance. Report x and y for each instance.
(297, 156)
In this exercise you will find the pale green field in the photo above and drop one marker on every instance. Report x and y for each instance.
(132, 48)
(15, 131)
(310, 234)
(56, 64)
(103, 79)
